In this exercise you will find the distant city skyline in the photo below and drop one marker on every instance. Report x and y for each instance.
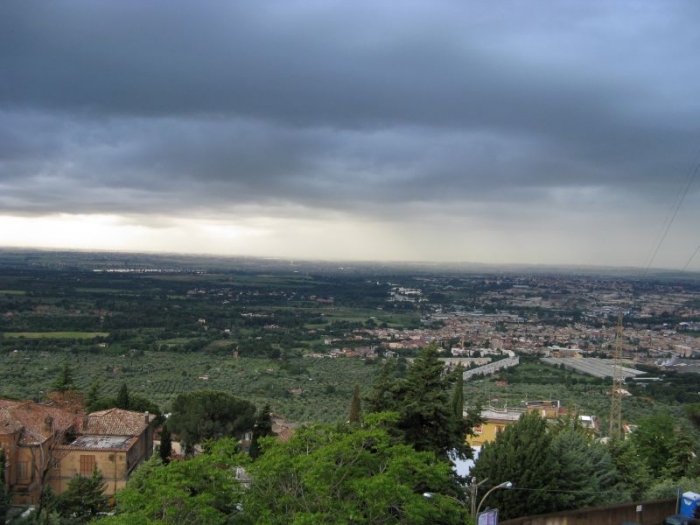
(551, 133)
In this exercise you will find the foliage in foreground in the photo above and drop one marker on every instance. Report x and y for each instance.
(200, 490)
(323, 474)
(327, 475)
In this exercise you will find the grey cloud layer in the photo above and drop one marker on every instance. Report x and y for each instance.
(125, 106)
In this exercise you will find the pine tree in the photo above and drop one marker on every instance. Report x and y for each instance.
(355, 407)
(632, 471)
(682, 456)
(123, 397)
(585, 468)
(166, 445)
(522, 455)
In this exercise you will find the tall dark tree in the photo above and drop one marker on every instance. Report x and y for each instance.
(261, 429)
(460, 426)
(458, 393)
(93, 396)
(4, 497)
(474, 417)
(632, 471)
(209, 414)
(382, 396)
(585, 468)
(425, 415)
(522, 455)
(421, 398)
(682, 456)
(166, 445)
(65, 380)
(654, 441)
(123, 401)
(355, 417)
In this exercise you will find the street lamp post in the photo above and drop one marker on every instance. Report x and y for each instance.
(473, 489)
(504, 485)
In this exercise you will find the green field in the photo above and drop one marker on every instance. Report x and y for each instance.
(55, 335)
(13, 292)
(322, 387)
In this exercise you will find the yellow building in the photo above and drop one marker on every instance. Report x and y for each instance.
(495, 421)
(47, 446)
(114, 441)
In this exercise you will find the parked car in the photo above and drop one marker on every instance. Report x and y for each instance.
(680, 519)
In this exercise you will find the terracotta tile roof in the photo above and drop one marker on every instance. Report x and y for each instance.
(116, 422)
(36, 422)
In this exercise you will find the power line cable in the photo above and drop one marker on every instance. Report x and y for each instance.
(691, 258)
(690, 178)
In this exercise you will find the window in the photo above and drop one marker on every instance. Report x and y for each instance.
(87, 465)
(22, 470)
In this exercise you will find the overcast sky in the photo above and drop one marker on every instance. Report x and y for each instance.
(544, 132)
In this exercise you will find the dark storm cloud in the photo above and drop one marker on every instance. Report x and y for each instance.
(172, 106)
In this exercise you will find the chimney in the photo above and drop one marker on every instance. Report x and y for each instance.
(48, 423)
(86, 419)
(146, 417)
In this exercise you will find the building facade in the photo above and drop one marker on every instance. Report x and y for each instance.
(47, 446)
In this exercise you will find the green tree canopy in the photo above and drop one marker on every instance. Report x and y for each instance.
(209, 414)
(83, 498)
(427, 420)
(585, 471)
(654, 441)
(200, 490)
(355, 475)
(632, 471)
(681, 458)
(522, 455)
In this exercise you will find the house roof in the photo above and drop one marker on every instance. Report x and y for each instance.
(101, 443)
(116, 422)
(35, 422)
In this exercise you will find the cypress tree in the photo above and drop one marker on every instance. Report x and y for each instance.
(166, 445)
(4, 497)
(355, 407)
(261, 428)
(123, 398)
(65, 380)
